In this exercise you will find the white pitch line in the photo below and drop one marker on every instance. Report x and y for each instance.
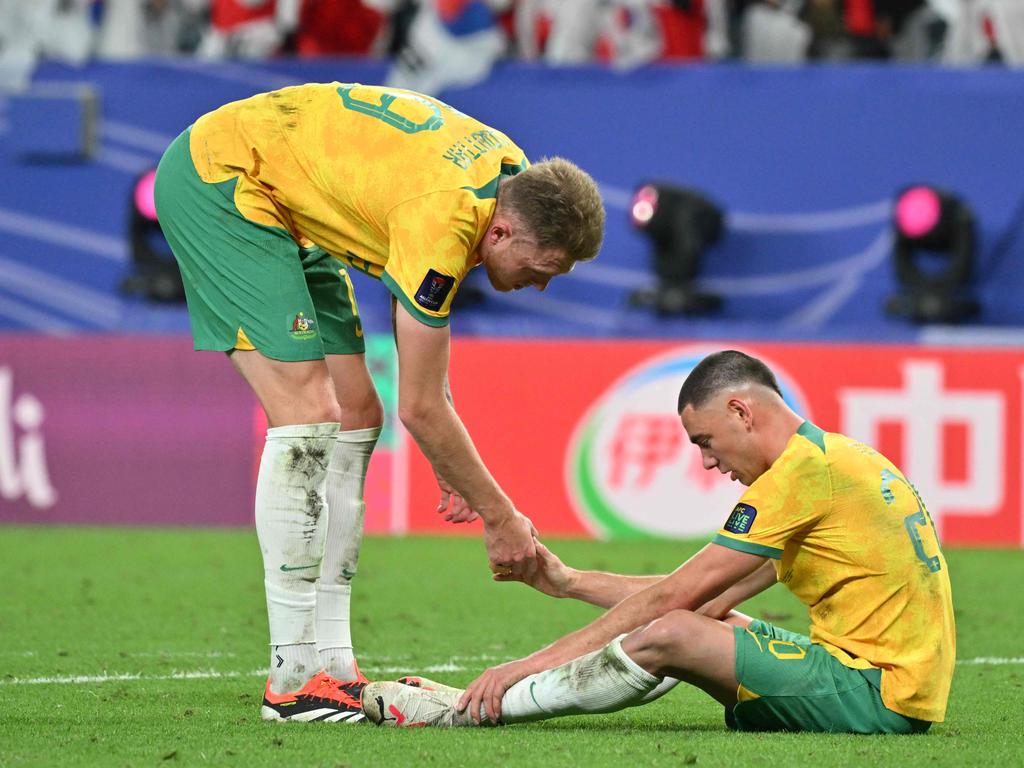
(449, 666)
(207, 674)
(122, 676)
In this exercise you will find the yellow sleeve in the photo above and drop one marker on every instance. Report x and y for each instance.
(789, 498)
(432, 239)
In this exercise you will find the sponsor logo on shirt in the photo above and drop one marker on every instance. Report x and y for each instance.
(434, 290)
(741, 519)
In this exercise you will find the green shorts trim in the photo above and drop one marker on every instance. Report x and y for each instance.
(249, 285)
(788, 683)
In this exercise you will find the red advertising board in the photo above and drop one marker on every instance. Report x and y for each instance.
(583, 434)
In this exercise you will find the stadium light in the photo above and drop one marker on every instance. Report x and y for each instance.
(934, 250)
(681, 224)
(154, 272)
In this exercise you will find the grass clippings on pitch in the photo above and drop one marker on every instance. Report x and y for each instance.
(147, 648)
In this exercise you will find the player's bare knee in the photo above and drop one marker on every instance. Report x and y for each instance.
(656, 646)
(312, 401)
(367, 414)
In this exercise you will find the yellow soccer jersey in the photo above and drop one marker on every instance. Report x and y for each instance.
(391, 182)
(852, 539)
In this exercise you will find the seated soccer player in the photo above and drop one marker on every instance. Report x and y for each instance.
(829, 517)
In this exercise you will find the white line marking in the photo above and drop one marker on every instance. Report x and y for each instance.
(114, 677)
(31, 317)
(849, 270)
(65, 235)
(760, 285)
(778, 223)
(815, 313)
(615, 197)
(955, 336)
(136, 137)
(823, 274)
(223, 70)
(62, 295)
(818, 221)
(129, 162)
(620, 277)
(560, 308)
(448, 666)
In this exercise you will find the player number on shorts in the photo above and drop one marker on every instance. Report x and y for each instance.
(383, 112)
(783, 649)
(915, 524)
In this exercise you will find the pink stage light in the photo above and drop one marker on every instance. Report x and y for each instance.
(145, 203)
(918, 211)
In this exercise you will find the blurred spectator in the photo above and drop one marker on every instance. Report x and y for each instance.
(262, 28)
(443, 43)
(343, 27)
(248, 29)
(982, 30)
(60, 29)
(773, 31)
(624, 33)
(450, 43)
(132, 28)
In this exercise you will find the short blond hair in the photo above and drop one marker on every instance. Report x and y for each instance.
(560, 205)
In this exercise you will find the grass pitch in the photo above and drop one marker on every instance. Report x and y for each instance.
(147, 648)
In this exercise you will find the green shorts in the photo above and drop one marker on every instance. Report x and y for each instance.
(250, 286)
(788, 683)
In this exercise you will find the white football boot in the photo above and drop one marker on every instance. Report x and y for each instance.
(406, 706)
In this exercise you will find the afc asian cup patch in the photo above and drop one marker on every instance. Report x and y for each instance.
(434, 290)
(741, 519)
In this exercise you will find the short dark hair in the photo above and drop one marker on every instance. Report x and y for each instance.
(723, 370)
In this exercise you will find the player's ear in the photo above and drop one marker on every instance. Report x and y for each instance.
(741, 409)
(500, 229)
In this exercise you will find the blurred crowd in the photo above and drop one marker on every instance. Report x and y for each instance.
(435, 43)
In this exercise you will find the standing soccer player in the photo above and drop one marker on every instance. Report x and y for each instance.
(829, 517)
(266, 203)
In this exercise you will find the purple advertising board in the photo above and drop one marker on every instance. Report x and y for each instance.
(129, 430)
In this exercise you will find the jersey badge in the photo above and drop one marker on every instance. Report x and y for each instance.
(434, 290)
(302, 327)
(741, 519)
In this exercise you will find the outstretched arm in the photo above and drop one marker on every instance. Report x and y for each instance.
(424, 409)
(454, 507)
(555, 578)
(700, 579)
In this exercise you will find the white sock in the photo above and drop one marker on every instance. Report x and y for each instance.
(603, 681)
(666, 685)
(290, 524)
(346, 478)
